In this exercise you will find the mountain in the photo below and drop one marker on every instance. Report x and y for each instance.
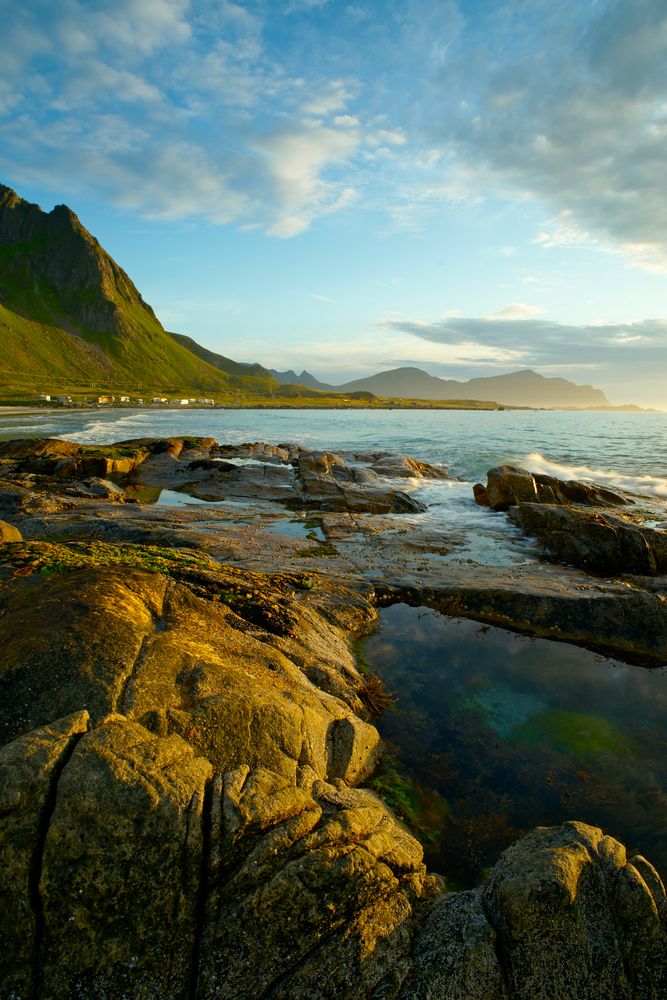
(68, 311)
(522, 388)
(247, 375)
(305, 378)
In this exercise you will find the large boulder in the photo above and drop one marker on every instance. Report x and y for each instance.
(575, 918)
(508, 485)
(328, 482)
(594, 540)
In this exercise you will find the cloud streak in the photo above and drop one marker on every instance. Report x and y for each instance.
(609, 351)
(296, 110)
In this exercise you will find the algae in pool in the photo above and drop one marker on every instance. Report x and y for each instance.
(501, 732)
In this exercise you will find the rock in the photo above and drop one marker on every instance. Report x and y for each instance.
(508, 485)
(121, 639)
(595, 541)
(8, 533)
(259, 451)
(29, 773)
(356, 750)
(329, 483)
(403, 466)
(102, 489)
(454, 956)
(121, 870)
(481, 496)
(70, 641)
(320, 906)
(26, 448)
(567, 909)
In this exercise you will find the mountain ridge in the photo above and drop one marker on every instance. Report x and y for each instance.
(524, 387)
(67, 309)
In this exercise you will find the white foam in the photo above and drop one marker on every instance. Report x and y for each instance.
(655, 485)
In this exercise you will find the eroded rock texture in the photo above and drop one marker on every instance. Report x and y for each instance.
(181, 745)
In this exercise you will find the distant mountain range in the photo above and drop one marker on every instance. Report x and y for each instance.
(69, 312)
(521, 388)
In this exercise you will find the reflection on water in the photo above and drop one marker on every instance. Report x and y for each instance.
(494, 733)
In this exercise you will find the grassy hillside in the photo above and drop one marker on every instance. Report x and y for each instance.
(69, 311)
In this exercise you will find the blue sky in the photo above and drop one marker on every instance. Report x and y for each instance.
(469, 187)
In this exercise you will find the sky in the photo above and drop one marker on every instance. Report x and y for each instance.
(468, 187)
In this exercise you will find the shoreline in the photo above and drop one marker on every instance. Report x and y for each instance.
(185, 685)
(8, 409)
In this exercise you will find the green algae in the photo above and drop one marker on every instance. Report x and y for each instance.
(58, 557)
(573, 733)
(422, 809)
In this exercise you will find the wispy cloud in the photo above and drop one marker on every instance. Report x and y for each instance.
(610, 349)
(570, 109)
(295, 110)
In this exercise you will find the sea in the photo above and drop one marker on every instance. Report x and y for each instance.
(626, 450)
(490, 732)
(620, 450)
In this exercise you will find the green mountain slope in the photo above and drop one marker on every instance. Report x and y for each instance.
(248, 376)
(67, 310)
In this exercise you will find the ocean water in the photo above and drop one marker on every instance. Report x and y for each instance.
(628, 450)
(622, 450)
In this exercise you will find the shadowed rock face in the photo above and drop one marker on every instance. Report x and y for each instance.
(595, 540)
(574, 522)
(181, 745)
(509, 485)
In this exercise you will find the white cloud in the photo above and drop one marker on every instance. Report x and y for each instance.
(295, 161)
(573, 117)
(562, 104)
(519, 310)
(333, 96)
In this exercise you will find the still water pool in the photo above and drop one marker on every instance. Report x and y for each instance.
(493, 733)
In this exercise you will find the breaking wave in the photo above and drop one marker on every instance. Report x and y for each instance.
(651, 485)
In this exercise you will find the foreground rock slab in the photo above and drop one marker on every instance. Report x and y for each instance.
(279, 889)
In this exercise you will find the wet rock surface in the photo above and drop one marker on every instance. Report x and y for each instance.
(585, 525)
(594, 540)
(184, 737)
(508, 485)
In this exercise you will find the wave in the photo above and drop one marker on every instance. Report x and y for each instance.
(106, 429)
(652, 485)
